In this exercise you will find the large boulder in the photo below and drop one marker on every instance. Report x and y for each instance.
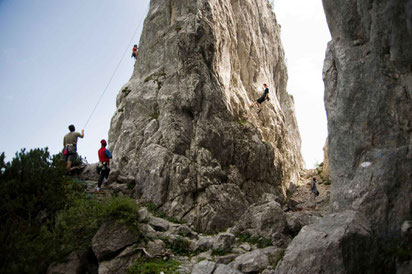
(183, 130)
(337, 243)
(368, 90)
(262, 219)
(111, 239)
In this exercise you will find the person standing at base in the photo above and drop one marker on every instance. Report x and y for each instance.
(103, 165)
(262, 98)
(70, 146)
(314, 193)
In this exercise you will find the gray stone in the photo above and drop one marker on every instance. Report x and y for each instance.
(159, 224)
(223, 241)
(225, 259)
(112, 238)
(156, 248)
(253, 261)
(225, 269)
(262, 219)
(368, 86)
(122, 262)
(183, 128)
(204, 267)
(338, 243)
(76, 262)
(297, 220)
(245, 246)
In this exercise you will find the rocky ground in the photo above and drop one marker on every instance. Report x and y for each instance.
(254, 245)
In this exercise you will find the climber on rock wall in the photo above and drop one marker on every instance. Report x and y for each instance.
(70, 146)
(135, 51)
(103, 166)
(262, 98)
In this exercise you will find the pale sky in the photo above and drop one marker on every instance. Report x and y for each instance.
(56, 58)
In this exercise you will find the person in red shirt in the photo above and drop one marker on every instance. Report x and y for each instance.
(103, 165)
(135, 51)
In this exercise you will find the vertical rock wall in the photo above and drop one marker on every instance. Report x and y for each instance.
(183, 130)
(368, 97)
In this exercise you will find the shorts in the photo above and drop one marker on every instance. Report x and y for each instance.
(261, 100)
(70, 157)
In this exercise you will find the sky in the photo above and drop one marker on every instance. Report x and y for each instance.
(56, 58)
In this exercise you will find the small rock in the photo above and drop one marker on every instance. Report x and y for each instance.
(156, 247)
(253, 261)
(204, 267)
(159, 224)
(225, 269)
(225, 259)
(143, 213)
(223, 241)
(246, 246)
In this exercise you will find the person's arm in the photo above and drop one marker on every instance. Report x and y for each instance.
(108, 154)
(64, 142)
(81, 135)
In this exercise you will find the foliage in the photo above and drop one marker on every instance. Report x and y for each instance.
(153, 266)
(180, 246)
(221, 251)
(45, 215)
(76, 226)
(260, 242)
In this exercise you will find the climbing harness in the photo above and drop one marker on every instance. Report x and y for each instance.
(117, 67)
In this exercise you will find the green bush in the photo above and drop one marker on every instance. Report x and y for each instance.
(260, 242)
(153, 266)
(44, 215)
(221, 251)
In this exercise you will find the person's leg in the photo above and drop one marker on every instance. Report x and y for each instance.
(260, 108)
(68, 166)
(100, 181)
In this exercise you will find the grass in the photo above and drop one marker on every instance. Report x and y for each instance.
(178, 28)
(155, 115)
(221, 251)
(260, 242)
(153, 266)
(241, 122)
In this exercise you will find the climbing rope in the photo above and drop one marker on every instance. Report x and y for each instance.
(117, 67)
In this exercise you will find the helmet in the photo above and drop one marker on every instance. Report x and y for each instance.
(103, 142)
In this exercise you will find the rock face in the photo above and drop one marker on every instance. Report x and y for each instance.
(368, 81)
(338, 243)
(325, 167)
(183, 129)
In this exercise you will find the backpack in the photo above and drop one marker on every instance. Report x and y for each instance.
(317, 193)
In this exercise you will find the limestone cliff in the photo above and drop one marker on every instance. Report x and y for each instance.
(368, 90)
(183, 131)
(368, 81)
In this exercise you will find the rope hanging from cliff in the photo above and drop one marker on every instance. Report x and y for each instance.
(117, 67)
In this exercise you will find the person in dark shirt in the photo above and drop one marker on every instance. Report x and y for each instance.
(262, 98)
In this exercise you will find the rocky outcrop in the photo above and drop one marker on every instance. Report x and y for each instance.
(368, 81)
(325, 167)
(183, 130)
(263, 219)
(338, 243)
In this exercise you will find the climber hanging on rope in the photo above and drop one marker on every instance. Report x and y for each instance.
(135, 51)
(262, 98)
(70, 146)
(103, 166)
